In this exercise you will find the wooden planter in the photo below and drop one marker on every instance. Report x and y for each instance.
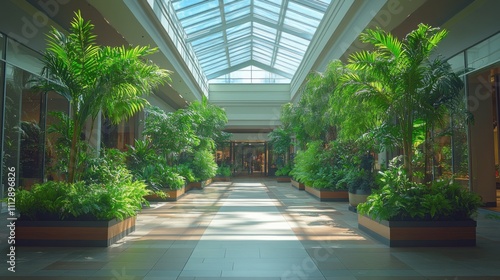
(298, 185)
(420, 233)
(328, 195)
(221, 179)
(172, 195)
(283, 179)
(198, 185)
(72, 233)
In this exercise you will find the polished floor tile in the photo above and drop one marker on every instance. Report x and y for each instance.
(257, 229)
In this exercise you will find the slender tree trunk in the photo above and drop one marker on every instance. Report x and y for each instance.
(73, 152)
(407, 132)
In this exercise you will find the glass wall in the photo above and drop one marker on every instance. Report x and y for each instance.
(23, 137)
(26, 114)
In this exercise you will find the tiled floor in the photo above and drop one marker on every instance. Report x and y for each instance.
(256, 229)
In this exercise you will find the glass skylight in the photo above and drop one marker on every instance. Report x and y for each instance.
(232, 38)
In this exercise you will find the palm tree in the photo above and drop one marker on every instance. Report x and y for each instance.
(110, 80)
(400, 78)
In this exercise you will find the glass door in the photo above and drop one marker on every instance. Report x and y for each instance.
(250, 159)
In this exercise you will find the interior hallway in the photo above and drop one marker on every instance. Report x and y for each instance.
(257, 229)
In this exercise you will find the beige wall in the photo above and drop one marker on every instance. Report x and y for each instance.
(482, 157)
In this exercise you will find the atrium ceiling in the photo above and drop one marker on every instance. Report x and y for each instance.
(228, 35)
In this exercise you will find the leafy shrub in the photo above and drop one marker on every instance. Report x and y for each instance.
(223, 171)
(187, 172)
(401, 199)
(358, 179)
(284, 171)
(204, 165)
(160, 176)
(81, 201)
(306, 163)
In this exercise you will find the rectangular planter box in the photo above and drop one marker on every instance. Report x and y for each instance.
(73, 233)
(328, 195)
(283, 179)
(172, 195)
(420, 233)
(198, 185)
(298, 185)
(221, 179)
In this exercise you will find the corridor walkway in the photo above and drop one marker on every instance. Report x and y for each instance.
(257, 229)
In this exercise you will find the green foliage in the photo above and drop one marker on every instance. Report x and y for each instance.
(401, 199)
(106, 168)
(159, 176)
(208, 123)
(52, 200)
(170, 134)
(307, 164)
(358, 179)
(204, 165)
(141, 154)
(400, 81)
(284, 170)
(96, 79)
(62, 129)
(186, 171)
(223, 171)
(280, 141)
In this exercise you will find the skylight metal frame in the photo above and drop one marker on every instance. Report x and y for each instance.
(228, 35)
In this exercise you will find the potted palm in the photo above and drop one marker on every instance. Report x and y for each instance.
(410, 85)
(95, 80)
(407, 213)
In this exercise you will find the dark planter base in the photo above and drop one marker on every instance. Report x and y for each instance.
(72, 233)
(298, 185)
(420, 233)
(328, 195)
(352, 208)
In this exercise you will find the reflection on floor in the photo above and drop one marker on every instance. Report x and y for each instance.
(255, 229)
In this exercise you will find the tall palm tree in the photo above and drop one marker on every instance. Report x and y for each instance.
(400, 78)
(110, 80)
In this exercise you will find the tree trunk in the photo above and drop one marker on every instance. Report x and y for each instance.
(73, 152)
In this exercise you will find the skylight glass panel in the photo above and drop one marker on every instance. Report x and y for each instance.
(305, 11)
(215, 57)
(262, 58)
(267, 11)
(238, 14)
(236, 5)
(229, 33)
(285, 66)
(212, 15)
(238, 32)
(300, 26)
(233, 2)
(292, 41)
(241, 51)
(264, 32)
(216, 65)
(209, 45)
(207, 39)
(181, 4)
